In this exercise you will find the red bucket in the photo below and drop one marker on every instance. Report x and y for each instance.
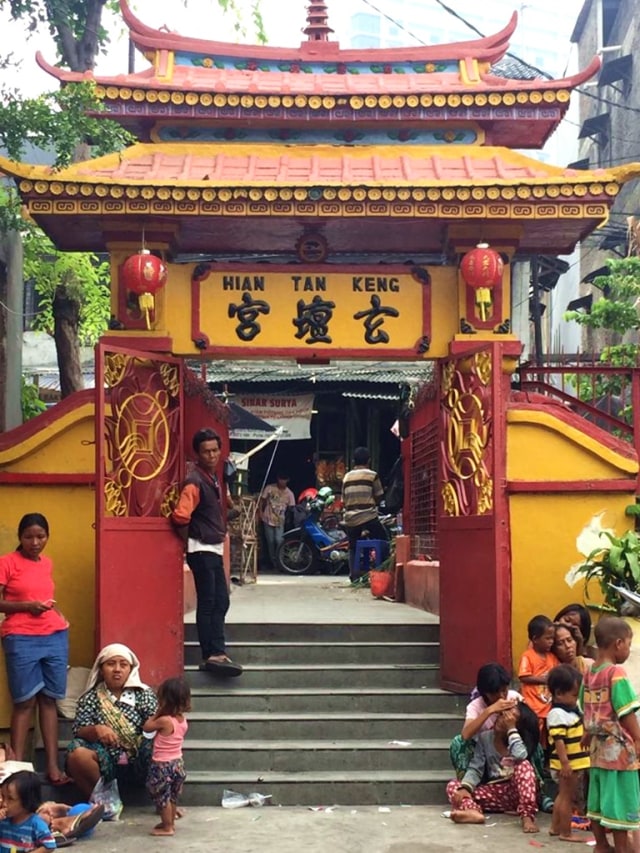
(381, 584)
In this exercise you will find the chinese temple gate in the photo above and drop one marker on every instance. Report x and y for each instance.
(365, 176)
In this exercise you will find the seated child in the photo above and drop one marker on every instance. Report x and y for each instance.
(500, 776)
(568, 759)
(535, 665)
(610, 723)
(492, 697)
(20, 826)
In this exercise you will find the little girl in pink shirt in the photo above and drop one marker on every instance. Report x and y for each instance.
(166, 773)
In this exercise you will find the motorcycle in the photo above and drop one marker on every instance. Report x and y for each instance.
(312, 546)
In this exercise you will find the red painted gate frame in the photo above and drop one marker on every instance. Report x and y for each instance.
(473, 630)
(139, 560)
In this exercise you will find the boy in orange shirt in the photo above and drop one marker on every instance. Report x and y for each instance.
(535, 665)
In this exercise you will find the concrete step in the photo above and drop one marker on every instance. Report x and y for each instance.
(320, 701)
(325, 726)
(325, 714)
(355, 675)
(292, 632)
(315, 788)
(256, 653)
(300, 755)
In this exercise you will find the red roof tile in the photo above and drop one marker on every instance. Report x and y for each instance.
(280, 165)
(232, 81)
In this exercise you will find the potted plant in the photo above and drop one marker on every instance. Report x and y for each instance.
(614, 562)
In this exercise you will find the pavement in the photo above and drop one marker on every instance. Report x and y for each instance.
(331, 828)
(324, 599)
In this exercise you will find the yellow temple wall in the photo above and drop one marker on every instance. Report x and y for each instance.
(59, 462)
(545, 452)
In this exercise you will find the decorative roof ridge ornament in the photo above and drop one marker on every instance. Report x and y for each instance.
(317, 28)
(489, 49)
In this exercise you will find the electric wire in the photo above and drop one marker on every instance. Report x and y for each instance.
(20, 313)
(450, 11)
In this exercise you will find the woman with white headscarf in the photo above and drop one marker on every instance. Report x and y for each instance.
(107, 731)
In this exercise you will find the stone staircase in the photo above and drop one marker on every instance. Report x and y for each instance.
(323, 714)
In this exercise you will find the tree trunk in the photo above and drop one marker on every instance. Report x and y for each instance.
(80, 55)
(66, 312)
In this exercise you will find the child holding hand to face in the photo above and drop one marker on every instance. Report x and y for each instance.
(490, 697)
(500, 776)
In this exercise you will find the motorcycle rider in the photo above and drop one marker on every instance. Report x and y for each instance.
(361, 493)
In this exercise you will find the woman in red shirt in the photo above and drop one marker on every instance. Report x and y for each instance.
(35, 640)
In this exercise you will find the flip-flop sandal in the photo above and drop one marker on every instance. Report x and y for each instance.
(86, 820)
(223, 669)
(62, 840)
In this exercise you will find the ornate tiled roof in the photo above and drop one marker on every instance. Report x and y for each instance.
(282, 82)
(210, 166)
(193, 81)
(401, 144)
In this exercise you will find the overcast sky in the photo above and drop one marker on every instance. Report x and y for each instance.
(203, 18)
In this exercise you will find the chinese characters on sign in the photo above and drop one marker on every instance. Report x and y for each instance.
(279, 309)
(247, 314)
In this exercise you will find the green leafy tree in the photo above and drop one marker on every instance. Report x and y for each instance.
(58, 121)
(30, 400)
(74, 300)
(78, 30)
(617, 313)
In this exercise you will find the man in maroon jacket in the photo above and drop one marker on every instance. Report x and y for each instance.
(200, 522)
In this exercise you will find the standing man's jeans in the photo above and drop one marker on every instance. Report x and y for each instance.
(213, 601)
(273, 537)
(375, 530)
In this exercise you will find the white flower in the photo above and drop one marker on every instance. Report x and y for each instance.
(574, 575)
(590, 539)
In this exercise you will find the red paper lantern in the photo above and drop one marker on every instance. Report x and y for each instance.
(145, 275)
(482, 269)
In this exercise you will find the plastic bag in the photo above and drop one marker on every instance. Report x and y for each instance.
(258, 800)
(233, 800)
(108, 795)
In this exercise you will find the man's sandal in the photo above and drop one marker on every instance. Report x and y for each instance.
(222, 668)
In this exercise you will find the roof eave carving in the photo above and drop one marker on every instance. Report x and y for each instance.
(488, 49)
(147, 79)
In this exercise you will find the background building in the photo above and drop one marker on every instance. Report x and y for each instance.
(609, 127)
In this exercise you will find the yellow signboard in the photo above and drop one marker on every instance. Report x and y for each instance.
(311, 312)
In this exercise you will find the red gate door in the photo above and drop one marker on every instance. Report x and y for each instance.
(139, 455)
(475, 575)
